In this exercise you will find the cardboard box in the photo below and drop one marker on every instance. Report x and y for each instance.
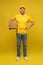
(12, 24)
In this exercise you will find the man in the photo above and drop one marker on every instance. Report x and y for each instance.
(23, 26)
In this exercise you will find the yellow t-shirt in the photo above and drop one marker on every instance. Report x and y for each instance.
(23, 22)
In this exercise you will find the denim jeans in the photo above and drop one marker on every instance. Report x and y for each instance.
(22, 37)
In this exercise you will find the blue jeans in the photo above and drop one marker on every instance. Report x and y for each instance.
(22, 37)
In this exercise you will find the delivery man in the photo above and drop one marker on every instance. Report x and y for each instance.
(24, 23)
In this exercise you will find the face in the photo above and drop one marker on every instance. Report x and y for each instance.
(22, 10)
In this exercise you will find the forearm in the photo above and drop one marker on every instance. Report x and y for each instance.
(30, 25)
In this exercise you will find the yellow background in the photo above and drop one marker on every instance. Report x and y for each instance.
(8, 9)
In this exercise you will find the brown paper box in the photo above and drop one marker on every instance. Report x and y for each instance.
(13, 24)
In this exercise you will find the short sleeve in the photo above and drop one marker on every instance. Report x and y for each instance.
(30, 19)
(14, 18)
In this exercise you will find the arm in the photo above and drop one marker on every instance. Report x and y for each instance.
(31, 24)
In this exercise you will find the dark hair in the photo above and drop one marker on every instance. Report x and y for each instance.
(22, 7)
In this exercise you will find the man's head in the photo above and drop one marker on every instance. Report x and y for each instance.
(22, 10)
